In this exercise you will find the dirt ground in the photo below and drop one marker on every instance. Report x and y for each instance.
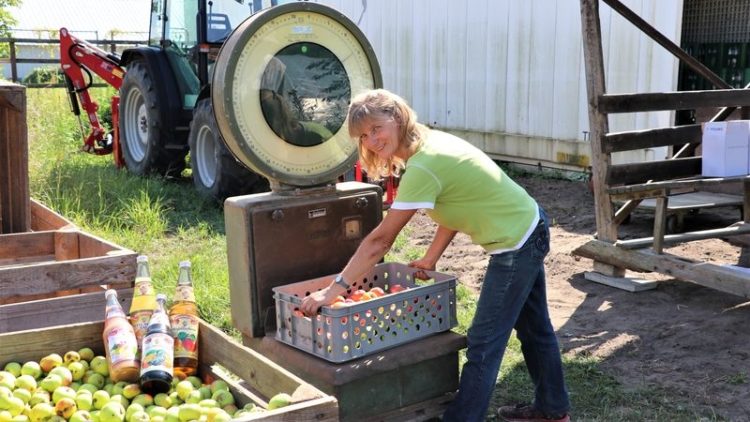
(689, 340)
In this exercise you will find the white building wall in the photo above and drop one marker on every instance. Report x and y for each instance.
(509, 76)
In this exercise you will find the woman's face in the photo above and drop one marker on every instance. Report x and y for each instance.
(381, 137)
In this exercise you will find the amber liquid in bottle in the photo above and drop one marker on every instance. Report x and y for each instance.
(119, 342)
(183, 316)
(157, 352)
(144, 301)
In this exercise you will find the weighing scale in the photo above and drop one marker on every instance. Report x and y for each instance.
(288, 75)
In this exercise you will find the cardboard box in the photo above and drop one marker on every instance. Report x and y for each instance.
(725, 148)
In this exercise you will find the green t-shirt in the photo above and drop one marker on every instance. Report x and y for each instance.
(463, 189)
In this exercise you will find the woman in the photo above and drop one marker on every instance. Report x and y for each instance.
(462, 189)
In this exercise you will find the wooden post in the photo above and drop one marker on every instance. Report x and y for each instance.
(13, 64)
(14, 160)
(606, 228)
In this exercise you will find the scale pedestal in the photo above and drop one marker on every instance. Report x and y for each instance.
(412, 382)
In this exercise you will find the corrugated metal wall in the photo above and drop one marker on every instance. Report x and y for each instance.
(508, 75)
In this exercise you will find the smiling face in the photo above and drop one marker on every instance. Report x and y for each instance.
(380, 135)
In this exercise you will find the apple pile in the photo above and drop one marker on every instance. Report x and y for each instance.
(76, 387)
(362, 295)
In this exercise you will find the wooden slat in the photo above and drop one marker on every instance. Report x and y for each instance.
(66, 245)
(92, 246)
(71, 309)
(692, 183)
(677, 100)
(43, 218)
(653, 170)
(673, 239)
(651, 138)
(24, 245)
(48, 278)
(22, 346)
(709, 275)
(14, 160)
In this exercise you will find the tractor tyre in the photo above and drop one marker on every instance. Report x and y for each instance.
(216, 173)
(140, 126)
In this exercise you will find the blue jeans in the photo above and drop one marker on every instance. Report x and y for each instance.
(513, 296)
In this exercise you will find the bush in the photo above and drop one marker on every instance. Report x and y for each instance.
(45, 75)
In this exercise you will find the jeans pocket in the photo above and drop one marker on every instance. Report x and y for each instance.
(542, 241)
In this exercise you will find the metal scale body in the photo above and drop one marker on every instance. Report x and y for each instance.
(288, 74)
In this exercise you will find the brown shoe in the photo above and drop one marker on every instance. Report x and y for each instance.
(527, 413)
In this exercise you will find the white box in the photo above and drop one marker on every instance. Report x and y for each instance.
(725, 148)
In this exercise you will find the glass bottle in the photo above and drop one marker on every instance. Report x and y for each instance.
(157, 352)
(144, 301)
(119, 341)
(184, 318)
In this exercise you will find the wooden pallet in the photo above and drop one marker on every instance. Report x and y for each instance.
(15, 214)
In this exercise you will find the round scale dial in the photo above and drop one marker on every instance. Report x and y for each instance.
(282, 85)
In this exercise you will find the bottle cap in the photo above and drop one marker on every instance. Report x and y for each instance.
(110, 292)
(161, 296)
(141, 258)
(184, 263)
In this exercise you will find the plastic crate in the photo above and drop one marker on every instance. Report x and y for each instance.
(362, 328)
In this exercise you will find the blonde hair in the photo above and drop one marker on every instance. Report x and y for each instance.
(379, 104)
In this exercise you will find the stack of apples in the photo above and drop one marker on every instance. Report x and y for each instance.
(76, 387)
(362, 295)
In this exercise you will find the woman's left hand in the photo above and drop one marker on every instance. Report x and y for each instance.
(312, 303)
(422, 264)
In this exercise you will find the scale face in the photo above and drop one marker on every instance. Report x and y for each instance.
(282, 86)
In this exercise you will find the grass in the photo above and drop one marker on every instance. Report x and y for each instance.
(168, 221)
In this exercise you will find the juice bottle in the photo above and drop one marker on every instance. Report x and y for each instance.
(119, 341)
(184, 318)
(144, 301)
(157, 352)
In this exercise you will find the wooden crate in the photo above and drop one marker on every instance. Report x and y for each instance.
(14, 161)
(251, 376)
(58, 275)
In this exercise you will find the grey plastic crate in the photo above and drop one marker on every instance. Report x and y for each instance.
(362, 328)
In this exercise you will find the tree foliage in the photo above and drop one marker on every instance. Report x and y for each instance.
(7, 21)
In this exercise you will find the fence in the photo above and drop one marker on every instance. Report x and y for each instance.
(14, 60)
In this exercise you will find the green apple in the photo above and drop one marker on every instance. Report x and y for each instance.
(195, 396)
(85, 401)
(120, 399)
(65, 407)
(15, 406)
(139, 416)
(81, 416)
(163, 400)
(230, 408)
(118, 387)
(135, 407)
(154, 411)
(279, 400)
(22, 394)
(5, 416)
(173, 414)
(41, 412)
(197, 382)
(39, 396)
(99, 365)
(223, 397)
(208, 403)
(131, 390)
(95, 379)
(71, 356)
(14, 368)
(91, 388)
(64, 373)
(75, 385)
(189, 412)
(31, 368)
(50, 361)
(5, 395)
(144, 400)
(27, 382)
(86, 354)
(77, 370)
(217, 415)
(112, 412)
(184, 388)
(95, 415)
(176, 400)
(7, 379)
(51, 382)
(100, 398)
(205, 392)
(62, 392)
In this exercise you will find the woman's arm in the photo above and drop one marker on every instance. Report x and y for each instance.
(443, 238)
(372, 249)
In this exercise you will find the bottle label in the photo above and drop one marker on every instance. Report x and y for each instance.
(122, 345)
(185, 333)
(144, 296)
(140, 320)
(184, 293)
(157, 353)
